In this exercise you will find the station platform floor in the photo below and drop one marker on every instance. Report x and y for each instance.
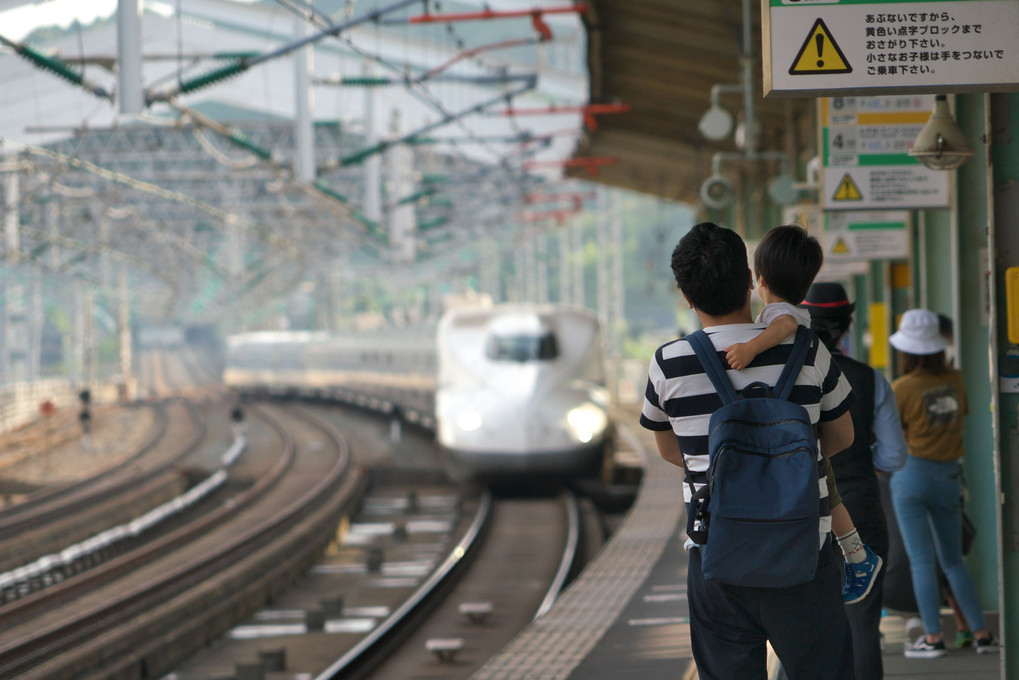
(626, 615)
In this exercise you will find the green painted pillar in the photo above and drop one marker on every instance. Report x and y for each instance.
(1004, 237)
(972, 320)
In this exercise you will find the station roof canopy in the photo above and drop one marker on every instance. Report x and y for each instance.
(662, 57)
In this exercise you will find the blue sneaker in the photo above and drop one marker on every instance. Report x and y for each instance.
(860, 577)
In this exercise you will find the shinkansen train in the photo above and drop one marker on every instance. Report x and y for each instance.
(522, 390)
(516, 389)
(380, 371)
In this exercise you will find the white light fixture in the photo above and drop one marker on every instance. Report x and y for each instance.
(783, 189)
(716, 123)
(941, 145)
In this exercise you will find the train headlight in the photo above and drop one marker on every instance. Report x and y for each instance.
(586, 421)
(469, 421)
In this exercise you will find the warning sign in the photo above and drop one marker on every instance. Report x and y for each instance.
(869, 47)
(866, 235)
(819, 54)
(847, 191)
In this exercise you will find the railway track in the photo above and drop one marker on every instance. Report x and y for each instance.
(192, 583)
(369, 607)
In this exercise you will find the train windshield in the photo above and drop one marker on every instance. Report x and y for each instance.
(522, 347)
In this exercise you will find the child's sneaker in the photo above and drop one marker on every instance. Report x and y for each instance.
(963, 638)
(860, 577)
(987, 645)
(921, 649)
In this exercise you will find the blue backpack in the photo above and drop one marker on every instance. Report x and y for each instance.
(758, 514)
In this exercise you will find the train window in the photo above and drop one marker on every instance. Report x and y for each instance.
(522, 347)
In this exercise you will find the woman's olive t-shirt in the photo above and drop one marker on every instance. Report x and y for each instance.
(931, 408)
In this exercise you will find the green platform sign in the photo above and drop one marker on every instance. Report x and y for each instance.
(865, 161)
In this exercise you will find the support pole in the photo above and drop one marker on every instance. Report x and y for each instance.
(564, 266)
(604, 253)
(130, 94)
(12, 229)
(619, 299)
(35, 342)
(304, 131)
(372, 164)
(124, 333)
(577, 262)
(402, 223)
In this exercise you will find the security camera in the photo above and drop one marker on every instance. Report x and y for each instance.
(717, 192)
(941, 145)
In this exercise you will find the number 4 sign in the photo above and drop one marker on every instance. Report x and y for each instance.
(865, 161)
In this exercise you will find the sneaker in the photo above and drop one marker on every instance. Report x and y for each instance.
(860, 577)
(963, 638)
(987, 645)
(921, 649)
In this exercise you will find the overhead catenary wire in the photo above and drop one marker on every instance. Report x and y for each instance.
(243, 64)
(418, 90)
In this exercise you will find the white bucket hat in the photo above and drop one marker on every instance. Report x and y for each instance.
(918, 333)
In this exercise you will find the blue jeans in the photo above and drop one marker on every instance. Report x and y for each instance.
(927, 497)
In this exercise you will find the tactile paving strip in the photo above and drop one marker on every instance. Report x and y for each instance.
(551, 647)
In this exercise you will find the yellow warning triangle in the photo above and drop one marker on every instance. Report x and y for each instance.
(847, 191)
(840, 247)
(819, 54)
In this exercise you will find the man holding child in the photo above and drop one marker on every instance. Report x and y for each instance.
(730, 625)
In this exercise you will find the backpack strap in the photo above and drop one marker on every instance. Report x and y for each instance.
(798, 355)
(713, 366)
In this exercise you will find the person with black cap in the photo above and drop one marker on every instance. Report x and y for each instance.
(878, 447)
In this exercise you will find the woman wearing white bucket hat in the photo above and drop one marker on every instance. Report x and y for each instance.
(931, 397)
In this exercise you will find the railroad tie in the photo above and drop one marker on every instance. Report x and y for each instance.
(332, 606)
(373, 559)
(444, 649)
(248, 670)
(273, 659)
(314, 619)
(477, 612)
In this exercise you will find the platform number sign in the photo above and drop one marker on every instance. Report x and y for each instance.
(865, 161)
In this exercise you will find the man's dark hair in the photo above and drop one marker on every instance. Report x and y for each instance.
(710, 266)
(788, 259)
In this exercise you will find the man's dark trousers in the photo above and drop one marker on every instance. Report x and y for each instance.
(806, 625)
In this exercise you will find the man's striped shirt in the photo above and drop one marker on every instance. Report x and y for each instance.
(680, 395)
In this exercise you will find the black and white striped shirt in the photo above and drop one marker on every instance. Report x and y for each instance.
(680, 395)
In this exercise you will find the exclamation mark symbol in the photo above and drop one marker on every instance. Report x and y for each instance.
(819, 40)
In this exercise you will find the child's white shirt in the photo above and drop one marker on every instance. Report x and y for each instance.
(774, 310)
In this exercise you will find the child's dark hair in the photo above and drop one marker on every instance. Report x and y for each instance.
(788, 259)
(710, 266)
